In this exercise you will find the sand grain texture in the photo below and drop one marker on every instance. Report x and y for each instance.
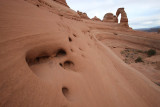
(53, 60)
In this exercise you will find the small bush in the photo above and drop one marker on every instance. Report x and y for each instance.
(140, 51)
(139, 59)
(151, 52)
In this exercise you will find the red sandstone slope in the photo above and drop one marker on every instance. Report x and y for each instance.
(50, 60)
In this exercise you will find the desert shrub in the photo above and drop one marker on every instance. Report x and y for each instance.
(151, 52)
(139, 59)
(140, 51)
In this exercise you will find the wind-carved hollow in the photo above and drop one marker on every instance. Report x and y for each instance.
(74, 35)
(61, 64)
(38, 59)
(68, 65)
(60, 53)
(71, 50)
(43, 62)
(70, 40)
(65, 92)
(38, 63)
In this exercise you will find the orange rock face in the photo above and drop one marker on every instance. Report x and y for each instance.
(48, 58)
(63, 2)
(57, 7)
(83, 15)
(96, 19)
(109, 17)
(124, 19)
(115, 19)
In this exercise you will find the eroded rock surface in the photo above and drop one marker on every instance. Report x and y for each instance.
(63, 2)
(109, 17)
(96, 19)
(50, 59)
(124, 19)
(83, 15)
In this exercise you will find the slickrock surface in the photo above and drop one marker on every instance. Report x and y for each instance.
(83, 15)
(96, 19)
(63, 2)
(51, 57)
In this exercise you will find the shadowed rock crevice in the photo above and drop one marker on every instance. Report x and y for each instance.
(74, 35)
(83, 15)
(68, 65)
(70, 40)
(66, 92)
(61, 52)
(34, 58)
(61, 64)
(39, 59)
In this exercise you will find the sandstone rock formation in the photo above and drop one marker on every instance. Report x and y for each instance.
(63, 2)
(96, 19)
(124, 19)
(115, 18)
(83, 15)
(59, 7)
(109, 17)
(47, 59)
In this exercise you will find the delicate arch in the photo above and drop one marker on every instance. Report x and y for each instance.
(124, 19)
